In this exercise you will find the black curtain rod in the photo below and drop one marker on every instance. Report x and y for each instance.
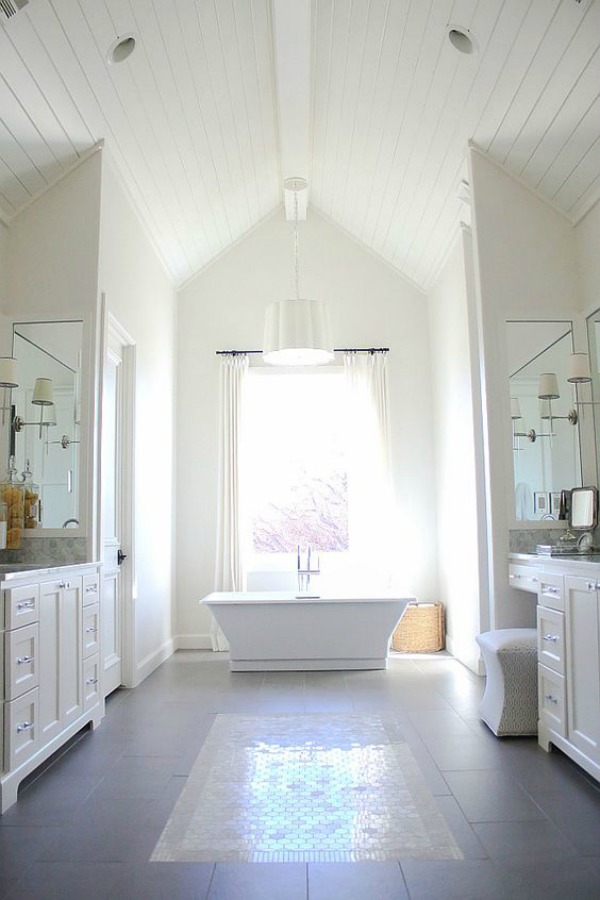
(335, 350)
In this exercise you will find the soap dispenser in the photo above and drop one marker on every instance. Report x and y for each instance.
(32, 498)
(12, 493)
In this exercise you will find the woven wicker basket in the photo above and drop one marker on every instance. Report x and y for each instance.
(421, 629)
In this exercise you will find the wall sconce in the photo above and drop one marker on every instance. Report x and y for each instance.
(547, 392)
(43, 396)
(8, 381)
(64, 442)
(579, 372)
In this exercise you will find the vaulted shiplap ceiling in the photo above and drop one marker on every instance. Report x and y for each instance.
(193, 123)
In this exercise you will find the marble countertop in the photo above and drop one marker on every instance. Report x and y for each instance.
(577, 560)
(21, 571)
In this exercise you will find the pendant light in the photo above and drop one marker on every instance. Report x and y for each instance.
(297, 331)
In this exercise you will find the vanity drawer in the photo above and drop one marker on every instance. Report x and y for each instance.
(21, 728)
(551, 590)
(91, 629)
(21, 660)
(551, 638)
(91, 589)
(21, 606)
(91, 682)
(525, 578)
(552, 699)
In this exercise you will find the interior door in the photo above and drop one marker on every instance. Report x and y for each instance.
(111, 593)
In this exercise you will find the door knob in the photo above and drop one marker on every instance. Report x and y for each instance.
(120, 556)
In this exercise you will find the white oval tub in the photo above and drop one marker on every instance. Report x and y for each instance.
(279, 630)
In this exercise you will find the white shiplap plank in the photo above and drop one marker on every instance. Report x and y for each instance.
(35, 54)
(15, 195)
(322, 44)
(588, 199)
(378, 41)
(560, 31)
(52, 32)
(571, 195)
(476, 79)
(536, 21)
(126, 122)
(564, 129)
(335, 90)
(576, 57)
(352, 80)
(14, 152)
(413, 39)
(145, 84)
(571, 155)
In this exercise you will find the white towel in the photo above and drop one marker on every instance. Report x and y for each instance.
(523, 500)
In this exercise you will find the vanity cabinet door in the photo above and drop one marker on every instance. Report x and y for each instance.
(61, 688)
(583, 666)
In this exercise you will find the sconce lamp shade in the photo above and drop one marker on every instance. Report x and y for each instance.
(515, 408)
(297, 333)
(548, 387)
(43, 394)
(8, 372)
(579, 368)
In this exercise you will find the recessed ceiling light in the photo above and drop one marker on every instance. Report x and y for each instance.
(462, 39)
(121, 49)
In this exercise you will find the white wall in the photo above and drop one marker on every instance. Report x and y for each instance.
(139, 294)
(461, 543)
(371, 305)
(526, 267)
(587, 237)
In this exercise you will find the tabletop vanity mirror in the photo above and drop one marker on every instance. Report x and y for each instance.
(584, 509)
(46, 419)
(546, 445)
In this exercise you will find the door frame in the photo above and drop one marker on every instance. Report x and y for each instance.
(112, 332)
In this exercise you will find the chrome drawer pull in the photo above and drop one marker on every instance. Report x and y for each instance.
(91, 681)
(23, 660)
(91, 630)
(92, 589)
(535, 579)
(515, 575)
(550, 590)
(550, 698)
(553, 638)
(24, 726)
(591, 585)
(26, 604)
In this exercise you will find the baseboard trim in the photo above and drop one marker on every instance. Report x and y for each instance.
(193, 642)
(153, 661)
(475, 664)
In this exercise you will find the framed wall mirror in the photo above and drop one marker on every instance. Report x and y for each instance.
(590, 393)
(546, 444)
(50, 451)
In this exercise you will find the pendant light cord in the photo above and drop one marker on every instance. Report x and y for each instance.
(296, 246)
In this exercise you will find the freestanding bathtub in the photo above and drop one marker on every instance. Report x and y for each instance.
(281, 630)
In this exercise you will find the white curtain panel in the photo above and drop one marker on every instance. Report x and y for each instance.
(229, 569)
(369, 478)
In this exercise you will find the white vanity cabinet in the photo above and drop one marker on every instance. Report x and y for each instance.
(568, 626)
(49, 627)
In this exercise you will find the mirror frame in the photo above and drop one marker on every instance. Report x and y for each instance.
(536, 524)
(86, 434)
(589, 489)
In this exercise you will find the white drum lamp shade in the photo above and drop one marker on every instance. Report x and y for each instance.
(548, 387)
(297, 333)
(579, 369)
(43, 394)
(8, 372)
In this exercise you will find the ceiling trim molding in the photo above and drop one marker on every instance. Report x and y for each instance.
(219, 256)
(65, 172)
(370, 251)
(535, 193)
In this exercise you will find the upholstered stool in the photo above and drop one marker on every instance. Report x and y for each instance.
(509, 705)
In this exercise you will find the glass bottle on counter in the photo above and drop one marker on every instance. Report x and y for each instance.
(12, 493)
(31, 499)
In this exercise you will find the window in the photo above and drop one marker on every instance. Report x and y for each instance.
(295, 465)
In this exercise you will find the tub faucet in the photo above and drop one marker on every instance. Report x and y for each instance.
(68, 522)
(305, 570)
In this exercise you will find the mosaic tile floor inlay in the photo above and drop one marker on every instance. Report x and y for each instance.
(305, 788)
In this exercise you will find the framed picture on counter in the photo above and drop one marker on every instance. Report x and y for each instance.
(541, 503)
(555, 503)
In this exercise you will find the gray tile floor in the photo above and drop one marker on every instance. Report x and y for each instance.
(527, 823)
